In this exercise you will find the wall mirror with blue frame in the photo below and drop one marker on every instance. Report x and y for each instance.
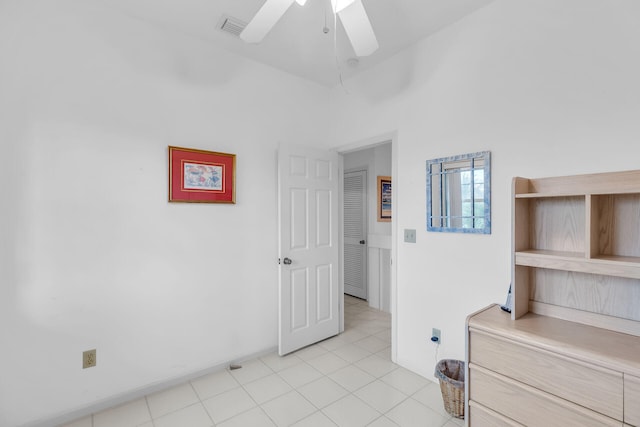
(459, 193)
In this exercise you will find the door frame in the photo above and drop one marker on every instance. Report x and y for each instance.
(392, 138)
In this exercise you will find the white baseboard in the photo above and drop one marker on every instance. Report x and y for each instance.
(138, 393)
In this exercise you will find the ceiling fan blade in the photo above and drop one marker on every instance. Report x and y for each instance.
(358, 28)
(338, 5)
(270, 12)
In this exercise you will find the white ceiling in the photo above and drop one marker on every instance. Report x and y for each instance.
(297, 44)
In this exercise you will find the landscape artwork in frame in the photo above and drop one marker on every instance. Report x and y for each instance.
(199, 176)
(384, 199)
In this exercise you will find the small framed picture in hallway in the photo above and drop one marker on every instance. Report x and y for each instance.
(384, 198)
(200, 176)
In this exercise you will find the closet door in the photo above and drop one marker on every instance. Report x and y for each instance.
(355, 233)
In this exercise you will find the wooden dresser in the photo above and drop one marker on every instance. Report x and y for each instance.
(569, 353)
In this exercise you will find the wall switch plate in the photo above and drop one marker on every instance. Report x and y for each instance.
(88, 359)
(409, 235)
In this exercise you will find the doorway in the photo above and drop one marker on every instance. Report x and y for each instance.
(372, 257)
(293, 301)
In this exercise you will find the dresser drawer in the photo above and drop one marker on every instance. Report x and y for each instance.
(481, 416)
(591, 386)
(528, 405)
(632, 400)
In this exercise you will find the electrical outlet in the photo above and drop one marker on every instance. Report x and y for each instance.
(436, 336)
(409, 235)
(88, 358)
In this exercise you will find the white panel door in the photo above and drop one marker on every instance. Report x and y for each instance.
(309, 223)
(355, 231)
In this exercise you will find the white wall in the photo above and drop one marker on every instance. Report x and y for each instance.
(91, 253)
(549, 87)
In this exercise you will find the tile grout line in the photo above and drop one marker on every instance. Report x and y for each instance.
(252, 398)
(213, 423)
(361, 315)
(146, 401)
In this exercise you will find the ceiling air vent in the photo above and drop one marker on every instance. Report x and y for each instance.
(231, 25)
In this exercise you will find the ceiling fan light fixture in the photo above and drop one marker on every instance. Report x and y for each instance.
(352, 15)
(339, 5)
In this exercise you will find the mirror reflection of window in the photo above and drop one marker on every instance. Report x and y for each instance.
(458, 193)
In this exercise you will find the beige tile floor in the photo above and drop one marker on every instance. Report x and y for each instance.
(346, 381)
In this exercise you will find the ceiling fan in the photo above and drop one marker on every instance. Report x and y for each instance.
(351, 13)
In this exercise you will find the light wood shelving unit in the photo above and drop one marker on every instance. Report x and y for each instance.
(570, 351)
(576, 247)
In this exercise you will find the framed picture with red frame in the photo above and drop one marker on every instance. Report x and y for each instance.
(199, 176)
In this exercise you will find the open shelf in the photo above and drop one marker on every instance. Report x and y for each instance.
(543, 254)
(574, 261)
(542, 195)
(615, 226)
(555, 224)
(617, 324)
(576, 242)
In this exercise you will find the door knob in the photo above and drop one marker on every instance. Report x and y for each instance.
(362, 242)
(287, 261)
